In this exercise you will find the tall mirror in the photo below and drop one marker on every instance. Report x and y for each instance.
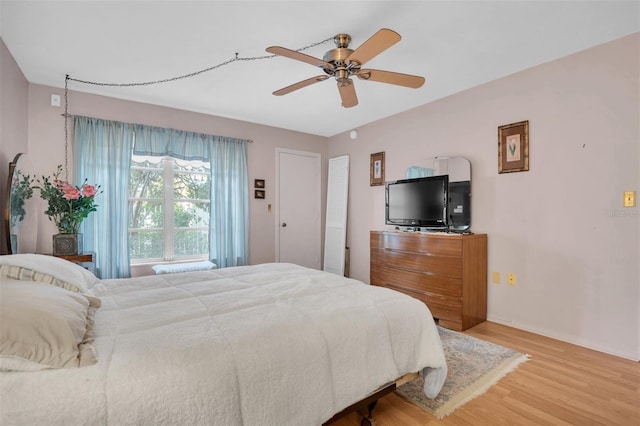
(459, 171)
(21, 220)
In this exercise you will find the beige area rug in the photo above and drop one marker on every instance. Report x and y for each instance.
(474, 366)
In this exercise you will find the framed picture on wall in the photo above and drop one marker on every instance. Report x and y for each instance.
(259, 193)
(376, 167)
(258, 183)
(513, 147)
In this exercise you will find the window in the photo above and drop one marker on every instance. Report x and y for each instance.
(169, 203)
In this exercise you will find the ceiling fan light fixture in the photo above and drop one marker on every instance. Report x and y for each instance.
(342, 76)
(343, 63)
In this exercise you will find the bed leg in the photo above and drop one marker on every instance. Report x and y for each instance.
(368, 418)
(369, 403)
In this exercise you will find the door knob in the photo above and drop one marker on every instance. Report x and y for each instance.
(284, 225)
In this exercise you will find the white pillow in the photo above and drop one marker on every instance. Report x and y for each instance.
(173, 268)
(47, 269)
(43, 326)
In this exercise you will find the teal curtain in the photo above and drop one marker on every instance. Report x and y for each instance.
(102, 155)
(158, 141)
(228, 234)
(229, 213)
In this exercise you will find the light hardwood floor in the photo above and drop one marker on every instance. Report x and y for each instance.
(561, 384)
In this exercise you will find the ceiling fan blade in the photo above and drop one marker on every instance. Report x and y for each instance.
(292, 54)
(300, 85)
(376, 44)
(348, 93)
(389, 77)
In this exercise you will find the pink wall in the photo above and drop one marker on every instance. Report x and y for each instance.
(13, 122)
(46, 142)
(560, 227)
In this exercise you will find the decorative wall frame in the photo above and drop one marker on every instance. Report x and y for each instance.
(513, 147)
(376, 169)
(258, 183)
(259, 193)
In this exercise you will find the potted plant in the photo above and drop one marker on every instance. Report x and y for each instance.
(21, 191)
(68, 206)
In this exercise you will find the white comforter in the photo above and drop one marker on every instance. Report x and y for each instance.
(271, 344)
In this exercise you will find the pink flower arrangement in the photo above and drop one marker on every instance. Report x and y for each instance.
(89, 190)
(71, 193)
(68, 205)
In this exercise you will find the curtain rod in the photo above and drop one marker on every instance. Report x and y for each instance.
(71, 115)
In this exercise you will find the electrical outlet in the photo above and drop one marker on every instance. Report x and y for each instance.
(496, 277)
(629, 198)
(511, 279)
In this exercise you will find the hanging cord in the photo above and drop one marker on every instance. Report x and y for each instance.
(148, 83)
(66, 128)
(193, 74)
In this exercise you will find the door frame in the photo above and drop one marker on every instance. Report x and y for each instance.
(318, 158)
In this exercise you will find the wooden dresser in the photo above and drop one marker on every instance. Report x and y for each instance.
(448, 272)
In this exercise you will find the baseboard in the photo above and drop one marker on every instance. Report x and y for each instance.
(565, 338)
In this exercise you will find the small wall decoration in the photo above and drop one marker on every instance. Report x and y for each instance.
(259, 193)
(376, 171)
(513, 147)
(258, 183)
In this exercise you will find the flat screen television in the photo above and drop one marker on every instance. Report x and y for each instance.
(419, 203)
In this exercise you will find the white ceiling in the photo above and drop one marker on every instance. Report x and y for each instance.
(454, 44)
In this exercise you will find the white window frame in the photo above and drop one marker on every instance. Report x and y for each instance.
(168, 229)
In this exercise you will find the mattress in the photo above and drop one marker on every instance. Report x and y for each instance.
(271, 344)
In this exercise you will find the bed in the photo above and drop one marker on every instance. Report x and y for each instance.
(270, 344)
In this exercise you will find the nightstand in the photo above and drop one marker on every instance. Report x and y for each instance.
(86, 260)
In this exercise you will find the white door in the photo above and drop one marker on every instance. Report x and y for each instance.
(335, 234)
(298, 205)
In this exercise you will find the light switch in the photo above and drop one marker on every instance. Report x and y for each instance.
(630, 198)
(55, 100)
(496, 277)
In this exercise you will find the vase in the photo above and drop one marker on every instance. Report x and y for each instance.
(67, 244)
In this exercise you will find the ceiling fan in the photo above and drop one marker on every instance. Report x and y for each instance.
(342, 63)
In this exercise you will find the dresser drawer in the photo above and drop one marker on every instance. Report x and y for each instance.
(437, 265)
(421, 282)
(439, 244)
(442, 308)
